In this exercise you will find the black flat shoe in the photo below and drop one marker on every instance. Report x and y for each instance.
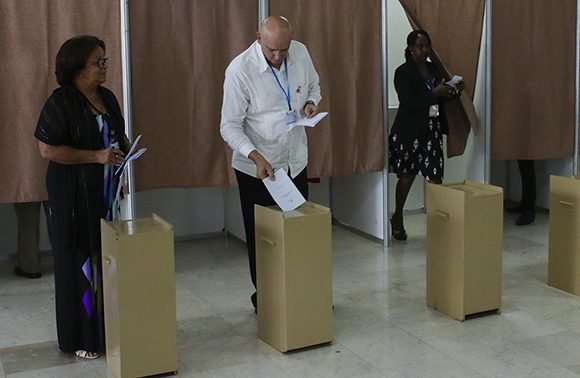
(398, 234)
(526, 218)
(22, 273)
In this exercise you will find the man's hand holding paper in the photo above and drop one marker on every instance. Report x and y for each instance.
(283, 191)
(308, 122)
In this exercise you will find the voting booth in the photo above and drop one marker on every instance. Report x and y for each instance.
(294, 276)
(139, 296)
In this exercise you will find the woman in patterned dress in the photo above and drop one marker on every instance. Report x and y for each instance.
(81, 133)
(416, 138)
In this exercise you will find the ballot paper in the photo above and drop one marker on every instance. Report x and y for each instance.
(283, 190)
(308, 122)
(131, 155)
(455, 80)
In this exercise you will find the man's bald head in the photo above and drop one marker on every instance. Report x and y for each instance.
(276, 24)
(274, 36)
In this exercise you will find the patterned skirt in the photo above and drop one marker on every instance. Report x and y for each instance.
(422, 156)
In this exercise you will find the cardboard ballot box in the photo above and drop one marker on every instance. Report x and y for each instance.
(464, 248)
(294, 276)
(564, 245)
(139, 296)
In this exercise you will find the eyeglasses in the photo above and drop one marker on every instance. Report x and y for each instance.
(102, 62)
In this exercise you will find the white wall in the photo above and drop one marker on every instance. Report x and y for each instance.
(357, 202)
(234, 222)
(193, 212)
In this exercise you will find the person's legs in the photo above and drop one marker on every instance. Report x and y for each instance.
(528, 202)
(46, 208)
(28, 214)
(528, 175)
(402, 191)
(254, 192)
(301, 182)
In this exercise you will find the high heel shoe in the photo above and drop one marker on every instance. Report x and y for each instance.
(398, 234)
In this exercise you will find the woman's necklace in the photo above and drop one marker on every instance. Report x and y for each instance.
(96, 100)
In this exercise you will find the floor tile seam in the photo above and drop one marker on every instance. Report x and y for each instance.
(203, 344)
(545, 360)
(445, 353)
(514, 339)
(331, 344)
(401, 366)
(237, 331)
(60, 364)
(13, 290)
(243, 360)
(524, 250)
(240, 331)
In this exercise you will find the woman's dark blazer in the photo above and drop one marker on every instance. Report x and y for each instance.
(415, 98)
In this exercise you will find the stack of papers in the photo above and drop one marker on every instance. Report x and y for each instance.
(131, 155)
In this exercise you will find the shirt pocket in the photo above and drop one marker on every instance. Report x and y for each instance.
(300, 95)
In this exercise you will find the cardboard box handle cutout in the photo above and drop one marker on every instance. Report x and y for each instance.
(267, 241)
(442, 214)
(567, 204)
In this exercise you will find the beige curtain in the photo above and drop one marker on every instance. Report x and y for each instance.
(533, 79)
(179, 53)
(344, 40)
(455, 29)
(31, 32)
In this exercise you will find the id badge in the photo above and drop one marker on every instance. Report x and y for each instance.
(291, 117)
(434, 111)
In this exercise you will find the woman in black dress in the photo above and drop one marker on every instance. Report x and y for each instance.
(416, 138)
(81, 132)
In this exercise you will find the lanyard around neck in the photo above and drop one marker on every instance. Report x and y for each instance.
(287, 91)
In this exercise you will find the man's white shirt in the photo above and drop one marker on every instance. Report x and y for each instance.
(254, 108)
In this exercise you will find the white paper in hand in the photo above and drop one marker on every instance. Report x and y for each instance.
(283, 190)
(455, 80)
(131, 155)
(308, 122)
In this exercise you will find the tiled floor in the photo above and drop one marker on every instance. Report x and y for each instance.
(382, 325)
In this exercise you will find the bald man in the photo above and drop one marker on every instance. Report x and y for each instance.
(271, 84)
